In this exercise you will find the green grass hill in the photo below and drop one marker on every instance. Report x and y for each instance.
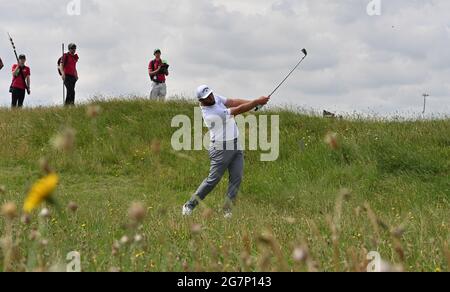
(384, 188)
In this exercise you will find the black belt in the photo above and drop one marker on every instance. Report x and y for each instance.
(159, 82)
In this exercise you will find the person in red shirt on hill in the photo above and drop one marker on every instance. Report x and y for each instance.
(158, 70)
(69, 73)
(20, 83)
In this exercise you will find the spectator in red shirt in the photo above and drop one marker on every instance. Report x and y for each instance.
(158, 70)
(69, 73)
(20, 83)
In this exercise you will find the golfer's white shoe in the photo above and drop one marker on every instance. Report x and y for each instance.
(186, 210)
(228, 215)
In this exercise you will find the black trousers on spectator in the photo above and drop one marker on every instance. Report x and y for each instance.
(70, 82)
(17, 96)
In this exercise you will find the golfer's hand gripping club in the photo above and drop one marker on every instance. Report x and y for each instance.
(261, 106)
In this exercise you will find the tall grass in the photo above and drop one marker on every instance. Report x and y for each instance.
(322, 206)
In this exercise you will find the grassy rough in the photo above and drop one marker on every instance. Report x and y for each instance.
(397, 170)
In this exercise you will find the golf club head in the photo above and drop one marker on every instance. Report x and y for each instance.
(305, 52)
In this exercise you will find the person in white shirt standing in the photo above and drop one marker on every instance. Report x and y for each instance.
(225, 152)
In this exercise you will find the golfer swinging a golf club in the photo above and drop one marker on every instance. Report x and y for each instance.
(225, 152)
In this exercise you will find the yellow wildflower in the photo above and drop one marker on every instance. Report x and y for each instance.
(139, 255)
(40, 192)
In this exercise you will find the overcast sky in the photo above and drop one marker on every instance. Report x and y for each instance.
(380, 64)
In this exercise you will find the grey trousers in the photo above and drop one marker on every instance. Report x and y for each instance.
(222, 160)
(159, 91)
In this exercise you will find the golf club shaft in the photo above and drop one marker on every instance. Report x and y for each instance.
(289, 75)
(284, 80)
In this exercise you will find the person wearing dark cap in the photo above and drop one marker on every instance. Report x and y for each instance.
(69, 73)
(20, 82)
(158, 69)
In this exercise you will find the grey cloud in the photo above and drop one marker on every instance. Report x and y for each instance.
(242, 48)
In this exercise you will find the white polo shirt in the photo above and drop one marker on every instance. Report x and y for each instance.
(219, 121)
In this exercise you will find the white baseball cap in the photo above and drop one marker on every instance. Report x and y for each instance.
(203, 92)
